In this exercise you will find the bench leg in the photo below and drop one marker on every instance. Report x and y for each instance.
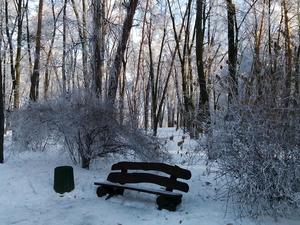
(169, 203)
(102, 191)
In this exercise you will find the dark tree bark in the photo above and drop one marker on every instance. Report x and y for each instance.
(141, 52)
(203, 114)
(257, 61)
(83, 39)
(98, 44)
(171, 114)
(16, 82)
(297, 74)
(297, 58)
(288, 55)
(28, 39)
(154, 78)
(115, 70)
(122, 88)
(10, 45)
(200, 30)
(64, 34)
(84, 45)
(162, 116)
(146, 104)
(49, 54)
(232, 50)
(1, 102)
(34, 89)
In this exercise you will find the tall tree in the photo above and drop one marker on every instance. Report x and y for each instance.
(16, 82)
(288, 54)
(49, 54)
(9, 35)
(84, 45)
(1, 92)
(232, 49)
(28, 38)
(98, 44)
(200, 30)
(34, 88)
(139, 60)
(297, 58)
(115, 70)
(82, 30)
(64, 77)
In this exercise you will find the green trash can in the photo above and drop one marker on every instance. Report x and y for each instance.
(63, 179)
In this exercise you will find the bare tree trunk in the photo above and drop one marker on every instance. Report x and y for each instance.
(49, 54)
(154, 97)
(171, 114)
(179, 104)
(1, 98)
(146, 105)
(257, 65)
(232, 50)
(296, 75)
(203, 113)
(288, 55)
(135, 87)
(28, 39)
(187, 94)
(83, 39)
(162, 115)
(34, 89)
(18, 56)
(297, 71)
(270, 44)
(10, 44)
(6, 123)
(84, 46)
(98, 44)
(122, 88)
(164, 93)
(165, 88)
(154, 78)
(74, 65)
(200, 30)
(117, 64)
(64, 34)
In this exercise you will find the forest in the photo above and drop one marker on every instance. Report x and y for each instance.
(107, 80)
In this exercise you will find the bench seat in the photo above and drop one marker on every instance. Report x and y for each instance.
(139, 189)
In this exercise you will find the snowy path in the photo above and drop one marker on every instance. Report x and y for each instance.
(27, 197)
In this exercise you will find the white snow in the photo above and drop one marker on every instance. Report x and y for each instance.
(27, 196)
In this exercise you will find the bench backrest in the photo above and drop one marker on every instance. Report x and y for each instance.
(170, 182)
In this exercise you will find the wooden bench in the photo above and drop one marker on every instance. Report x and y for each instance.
(117, 182)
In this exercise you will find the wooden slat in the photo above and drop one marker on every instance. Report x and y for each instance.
(140, 189)
(123, 178)
(176, 171)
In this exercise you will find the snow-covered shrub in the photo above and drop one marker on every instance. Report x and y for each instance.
(259, 157)
(85, 126)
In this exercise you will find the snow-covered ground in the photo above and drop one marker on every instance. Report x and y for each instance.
(27, 196)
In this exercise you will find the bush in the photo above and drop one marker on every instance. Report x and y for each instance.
(85, 126)
(259, 156)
